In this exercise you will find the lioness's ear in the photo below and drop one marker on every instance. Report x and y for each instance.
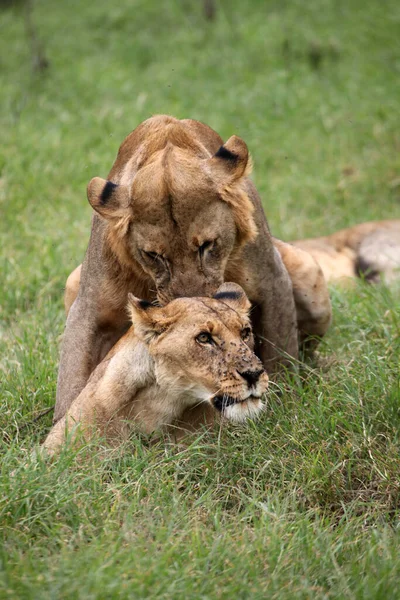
(141, 317)
(233, 295)
(232, 158)
(109, 199)
(145, 317)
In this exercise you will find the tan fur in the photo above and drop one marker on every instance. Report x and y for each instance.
(160, 374)
(172, 188)
(371, 248)
(340, 257)
(72, 288)
(177, 217)
(313, 305)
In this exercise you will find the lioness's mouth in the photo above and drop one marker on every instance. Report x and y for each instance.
(239, 409)
(222, 402)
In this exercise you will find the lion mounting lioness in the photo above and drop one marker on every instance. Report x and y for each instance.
(177, 217)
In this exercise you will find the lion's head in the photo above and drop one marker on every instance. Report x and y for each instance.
(178, 213)
(202, 348)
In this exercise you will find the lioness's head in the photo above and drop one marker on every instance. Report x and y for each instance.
(182, 214)
(203, 347)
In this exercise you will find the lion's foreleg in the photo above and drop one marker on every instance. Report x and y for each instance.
(76, 359)
(274, 317)
(84, 345)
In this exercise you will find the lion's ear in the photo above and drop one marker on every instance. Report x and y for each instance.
(229, 165)
(232, 159)
(233, 295)
(109, 199)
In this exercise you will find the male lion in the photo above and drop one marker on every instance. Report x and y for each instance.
(176, 366)
(178, 216)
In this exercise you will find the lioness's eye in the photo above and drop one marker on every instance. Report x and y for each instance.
(204, 338)
(245, 333)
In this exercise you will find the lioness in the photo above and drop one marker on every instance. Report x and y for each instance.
(177, 217)
(177, 365)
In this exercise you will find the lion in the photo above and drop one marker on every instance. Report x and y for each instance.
(178, 216)
(188, 362)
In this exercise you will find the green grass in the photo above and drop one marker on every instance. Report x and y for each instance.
(304, 503)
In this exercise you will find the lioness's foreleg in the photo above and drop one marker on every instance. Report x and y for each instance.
(310, 291)
(94, 410)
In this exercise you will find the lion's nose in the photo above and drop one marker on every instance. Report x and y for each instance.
(251, 376)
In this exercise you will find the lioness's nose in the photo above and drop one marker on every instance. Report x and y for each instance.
(251, 376)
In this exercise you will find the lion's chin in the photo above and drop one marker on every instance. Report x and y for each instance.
(239, 411)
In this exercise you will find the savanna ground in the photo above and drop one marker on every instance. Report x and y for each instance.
(305, 502)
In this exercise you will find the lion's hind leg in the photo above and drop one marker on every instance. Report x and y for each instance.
(310, 291)
(72, 288)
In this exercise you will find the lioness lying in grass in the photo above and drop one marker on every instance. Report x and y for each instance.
(177, 366)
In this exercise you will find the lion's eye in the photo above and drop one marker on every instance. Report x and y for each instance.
(151, 255)
(207, 245)
(204, 338)
(245, 333)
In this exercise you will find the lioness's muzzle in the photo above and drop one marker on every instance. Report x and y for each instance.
(222, 402)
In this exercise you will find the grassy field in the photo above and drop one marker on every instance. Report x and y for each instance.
(304, 503)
